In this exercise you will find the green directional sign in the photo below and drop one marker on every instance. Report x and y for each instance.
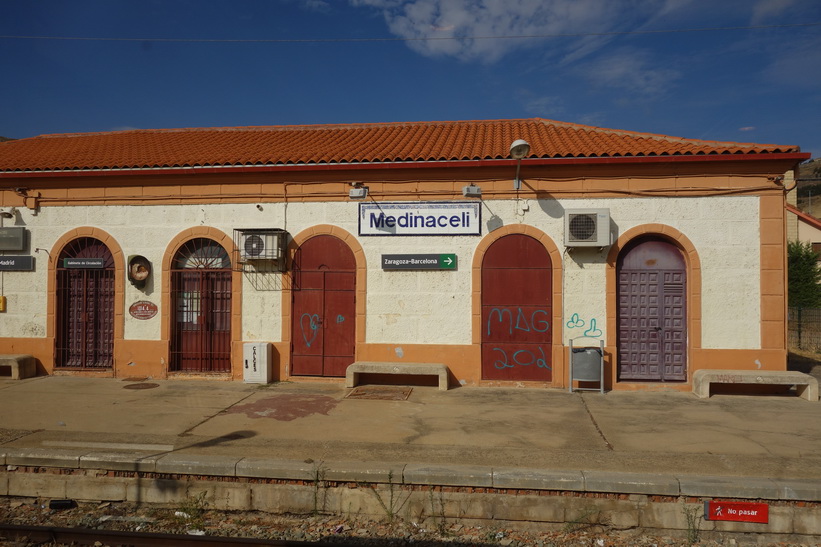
(420, 262)
(447, 262)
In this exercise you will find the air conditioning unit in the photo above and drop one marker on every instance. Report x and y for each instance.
(587, 228)
(260, 244)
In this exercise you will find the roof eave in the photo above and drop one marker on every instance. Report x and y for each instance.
(794, 157)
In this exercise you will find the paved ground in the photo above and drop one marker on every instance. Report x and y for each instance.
(749, 436)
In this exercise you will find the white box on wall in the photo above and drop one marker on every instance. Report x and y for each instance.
(257, 365)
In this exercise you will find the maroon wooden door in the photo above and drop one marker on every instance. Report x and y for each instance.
(516, 310)
(85, 305)
(323, 334)
(652, 313)
(201, 296)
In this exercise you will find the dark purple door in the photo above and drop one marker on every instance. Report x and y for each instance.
(652, 313)
(323, 334)
(516, 310)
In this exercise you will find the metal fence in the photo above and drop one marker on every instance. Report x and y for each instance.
(804, 329)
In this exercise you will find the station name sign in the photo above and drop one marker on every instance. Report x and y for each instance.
(452, 218)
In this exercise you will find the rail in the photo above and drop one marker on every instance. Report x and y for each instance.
(38, 535)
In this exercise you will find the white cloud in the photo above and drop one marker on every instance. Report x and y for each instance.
(629, 69)
(747, 128)
(573, 29)
(794, 63)
(464, 28)
(317, 5)
(765, 10)
(593, 118)
(542, 106)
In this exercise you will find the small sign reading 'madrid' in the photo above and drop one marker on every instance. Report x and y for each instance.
(452, 218)
(17, 263)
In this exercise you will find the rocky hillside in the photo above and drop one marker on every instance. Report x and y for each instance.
(809, 170)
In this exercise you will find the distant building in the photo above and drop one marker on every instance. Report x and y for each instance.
(166, 253)
(807, 228)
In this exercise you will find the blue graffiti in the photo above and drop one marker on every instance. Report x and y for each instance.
(576, 322)
(521, 323)
(593, 332)
(522, 358)
(313, 327)
(340, 318)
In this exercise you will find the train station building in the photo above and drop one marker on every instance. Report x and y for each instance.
(490, 247)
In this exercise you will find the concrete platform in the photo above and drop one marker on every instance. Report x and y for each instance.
(656, 433)
(666, 444)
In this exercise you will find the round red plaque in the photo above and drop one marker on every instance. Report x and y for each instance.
(143, 309)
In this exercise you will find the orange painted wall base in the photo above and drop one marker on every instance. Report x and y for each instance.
(149, 358)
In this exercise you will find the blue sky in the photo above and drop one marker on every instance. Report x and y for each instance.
(213, 63)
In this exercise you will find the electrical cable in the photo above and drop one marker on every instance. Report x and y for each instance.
(417, 39)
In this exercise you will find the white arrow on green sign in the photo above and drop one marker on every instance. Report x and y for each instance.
(446, 261)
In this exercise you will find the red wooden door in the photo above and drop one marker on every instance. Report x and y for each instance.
(516, 310)
(652, 313)
(85, 300)
(323, 334)
(201, 295)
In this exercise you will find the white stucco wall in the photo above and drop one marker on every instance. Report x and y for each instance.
(427, 307)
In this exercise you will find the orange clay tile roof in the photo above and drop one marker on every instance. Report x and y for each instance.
(345, 144)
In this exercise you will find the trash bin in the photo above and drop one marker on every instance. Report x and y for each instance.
(587, 365)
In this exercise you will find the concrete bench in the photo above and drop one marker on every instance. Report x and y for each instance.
(414, 369)
(805, 385)
(17, 366)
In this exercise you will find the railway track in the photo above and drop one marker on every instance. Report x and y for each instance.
(48, 535)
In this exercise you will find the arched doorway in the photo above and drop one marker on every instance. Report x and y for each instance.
(201, 307)
(516, 310)
(323, 327)
(85, 305)
(652, 312)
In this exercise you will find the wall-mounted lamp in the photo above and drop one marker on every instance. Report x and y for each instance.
(518, 150)
(471, 191)
(359, 191)
(8, 214)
